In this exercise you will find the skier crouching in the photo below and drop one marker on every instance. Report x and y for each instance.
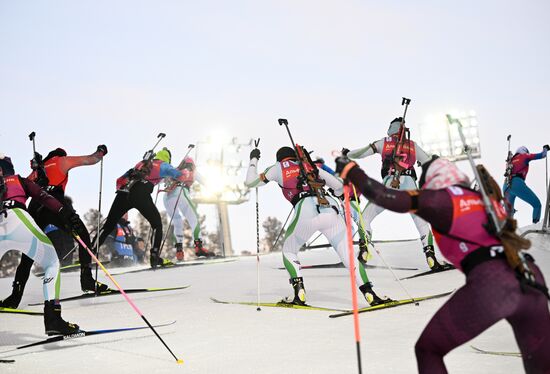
(134, 190)
(492, 291)
(18, 231)
(308, 218)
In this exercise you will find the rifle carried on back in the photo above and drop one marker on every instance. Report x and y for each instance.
(398, 155)
(309, 173)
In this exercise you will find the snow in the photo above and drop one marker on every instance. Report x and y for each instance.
(216, 338)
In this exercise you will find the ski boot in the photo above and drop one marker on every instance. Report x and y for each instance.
(371, 296)
(179, 251)
(13, 300)
(299, 291)
(156, 260)
(364, 253)
(432, 261)
(54, 324)
(88, 284)
(200, 251)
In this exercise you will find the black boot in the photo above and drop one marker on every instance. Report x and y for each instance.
(299, 291)
(54, 324)
(363, 252)
(13, 300)
(429, 252)
(156, 260)
(371, 296)
(200, 251)
(88, 284)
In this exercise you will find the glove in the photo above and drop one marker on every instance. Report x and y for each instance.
(102, 148)
(345, 151)
(73, 221)
(546, 147)
(341, 163)
(36, 161)
(255, 153)
(187, 166)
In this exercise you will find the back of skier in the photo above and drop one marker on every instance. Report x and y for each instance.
(134, 190)
(53, 176)
(398, 172)
(178, 204)
(18, 231)
(515, 185)
(309, 217)
(492, 291)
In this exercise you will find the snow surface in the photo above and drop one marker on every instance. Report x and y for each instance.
(216, 338)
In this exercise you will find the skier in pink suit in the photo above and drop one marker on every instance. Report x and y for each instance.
(492, 291)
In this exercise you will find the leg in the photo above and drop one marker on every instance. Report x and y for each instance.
(121, 205)
(140, 198)
(522, 191)
(491, 293)
(299, 231)
(170, 200)
(189, 209)
(531, 325)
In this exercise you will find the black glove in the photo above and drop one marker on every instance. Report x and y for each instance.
(547, 147)
(255, 153)
(73, 221)
(344, 151)
(37, 162)
(341, 163)
(102, 148)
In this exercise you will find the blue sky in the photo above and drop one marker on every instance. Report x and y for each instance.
(118, 72)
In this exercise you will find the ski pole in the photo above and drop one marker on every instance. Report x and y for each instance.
(132, 304)
(362, 223)
(282, 228)
(99, 218)
(352, 276)
(149, 233)
(149, 154)
(256, 143)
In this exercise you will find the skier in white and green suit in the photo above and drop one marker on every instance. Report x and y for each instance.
(19, 232)
(308, 218)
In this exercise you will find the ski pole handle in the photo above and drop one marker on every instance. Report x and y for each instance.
(31, 138)
(160, 136)
(405, 101)
(283, 121)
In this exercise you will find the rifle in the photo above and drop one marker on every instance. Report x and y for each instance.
(309, 173)
(404, 134)
(509, 166)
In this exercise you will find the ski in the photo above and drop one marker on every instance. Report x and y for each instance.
(174, 265)
(495, 353)
(391, 304)
(68, 268)
(355, 242)
(340, 265)
(21, 311)
(280, 304)
(7, 361)
(429, 272)
(83, 333)
(117, 292)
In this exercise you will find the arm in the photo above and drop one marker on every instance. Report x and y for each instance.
(168, 171)
(536, 156)
(367, 151)
(33, 190)
(255, 180)
(332, 182)
(434, 206)
(69, 162)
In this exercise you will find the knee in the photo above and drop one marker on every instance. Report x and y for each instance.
(425, 346)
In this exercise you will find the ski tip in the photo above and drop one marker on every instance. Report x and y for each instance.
(179, 361)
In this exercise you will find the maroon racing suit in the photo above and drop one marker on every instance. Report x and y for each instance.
(492, 291)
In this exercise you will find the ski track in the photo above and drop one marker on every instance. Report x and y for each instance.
(216, 338)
